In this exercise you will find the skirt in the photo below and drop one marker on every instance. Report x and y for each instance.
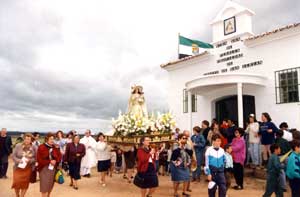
(150, 177)
(179, 174)
(21, 178)
(129, 159)
(103, 165)
(46, 179)
(74, 170)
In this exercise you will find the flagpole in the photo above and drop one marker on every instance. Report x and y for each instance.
(178, 45)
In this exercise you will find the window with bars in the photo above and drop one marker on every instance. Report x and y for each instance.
(194, 103)
(185, 101)
(287, 85)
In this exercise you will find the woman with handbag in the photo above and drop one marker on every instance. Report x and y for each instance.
(73, 155)
(146, 177)
(48, 158)
(24, 159)
(180, 163)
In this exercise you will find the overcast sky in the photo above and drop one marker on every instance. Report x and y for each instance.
(70, 64)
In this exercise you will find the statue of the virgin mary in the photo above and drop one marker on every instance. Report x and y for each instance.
(137, 105)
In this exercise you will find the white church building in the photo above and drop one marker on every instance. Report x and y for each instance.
(244, 73)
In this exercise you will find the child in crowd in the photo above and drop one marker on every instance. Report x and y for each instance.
(214, 167)
(273, 172)
(119, 160)
(199, 147)
(284, 148)
(156, 149)
(228, 165)
(293, 168)
(113, 159)
(163, 156)
(282, 143)
(169, 147)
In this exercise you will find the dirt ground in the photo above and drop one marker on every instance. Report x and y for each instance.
(118, 187)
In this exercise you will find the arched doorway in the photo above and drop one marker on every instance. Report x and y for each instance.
(227, 107)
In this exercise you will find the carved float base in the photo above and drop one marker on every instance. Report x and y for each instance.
(123, 140)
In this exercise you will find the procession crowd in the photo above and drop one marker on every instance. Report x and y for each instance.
(220, 151)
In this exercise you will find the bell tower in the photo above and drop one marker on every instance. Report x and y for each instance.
(232, 21)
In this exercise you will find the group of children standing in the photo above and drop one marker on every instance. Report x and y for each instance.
(292, 169)
(220, 165)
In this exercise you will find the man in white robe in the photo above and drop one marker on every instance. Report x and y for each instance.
(89, 160)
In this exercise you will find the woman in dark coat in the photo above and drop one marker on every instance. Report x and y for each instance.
(146, 168)
(48, 158)
(73, 155)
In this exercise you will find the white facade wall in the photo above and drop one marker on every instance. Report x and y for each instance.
(277, 51)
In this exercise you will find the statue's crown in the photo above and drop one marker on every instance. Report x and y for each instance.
(138, 88)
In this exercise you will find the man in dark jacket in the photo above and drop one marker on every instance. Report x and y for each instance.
(230, 131)
(205, 131)
(5, 151)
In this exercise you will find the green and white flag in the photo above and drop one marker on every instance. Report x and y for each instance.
(188, 47)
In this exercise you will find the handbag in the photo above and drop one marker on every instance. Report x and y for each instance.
(33, 176)
(59, 177)
(138, 180)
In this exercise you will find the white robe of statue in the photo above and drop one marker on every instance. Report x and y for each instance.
(137, 105)
(89, 160)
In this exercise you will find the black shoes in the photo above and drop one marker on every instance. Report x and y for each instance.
(185, 194)
(238, 187)
(87, 175)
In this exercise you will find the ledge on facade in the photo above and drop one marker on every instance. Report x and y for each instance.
(225, 79)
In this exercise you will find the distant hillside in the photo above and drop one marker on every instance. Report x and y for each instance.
(18, 133)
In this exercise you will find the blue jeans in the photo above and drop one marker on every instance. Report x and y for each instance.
(294, 184)
(282, 177)
(219, 179)
(157, 165)
(273, 187)
(254, 150)
(167, 167)
(197, 172)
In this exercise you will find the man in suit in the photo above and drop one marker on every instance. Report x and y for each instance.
(5, 151)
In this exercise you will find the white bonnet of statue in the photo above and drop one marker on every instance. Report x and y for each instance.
(137, 104)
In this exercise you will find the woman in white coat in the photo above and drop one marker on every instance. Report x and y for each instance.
(103, 154)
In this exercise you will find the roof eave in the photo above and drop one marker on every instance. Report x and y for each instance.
(172, 63)
(262, 35)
